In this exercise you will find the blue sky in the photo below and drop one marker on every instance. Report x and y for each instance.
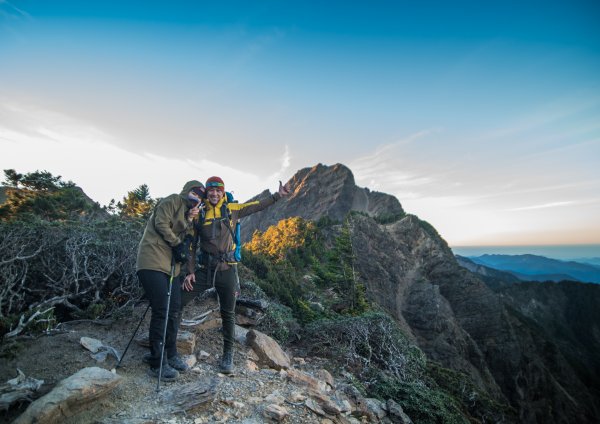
(483, 118)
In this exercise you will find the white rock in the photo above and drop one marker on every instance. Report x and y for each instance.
(93, 345)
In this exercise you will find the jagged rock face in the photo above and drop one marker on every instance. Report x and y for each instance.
(451, 313)
(460, 322)
(568, 313)
(322, 191)
(398, 262)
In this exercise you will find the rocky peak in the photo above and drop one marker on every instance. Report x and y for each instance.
(323, 191)
(451, 314)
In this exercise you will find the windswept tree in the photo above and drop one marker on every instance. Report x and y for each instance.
(44, 196)
(137, 204)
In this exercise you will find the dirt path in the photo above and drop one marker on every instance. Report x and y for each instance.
(239, 398)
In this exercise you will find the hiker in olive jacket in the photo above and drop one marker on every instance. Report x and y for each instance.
(162, 248)
(217, 265)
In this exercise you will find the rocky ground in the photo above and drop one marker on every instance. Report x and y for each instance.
(254, 394)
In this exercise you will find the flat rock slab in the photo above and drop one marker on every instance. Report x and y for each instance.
(190, 397)
(70, 396)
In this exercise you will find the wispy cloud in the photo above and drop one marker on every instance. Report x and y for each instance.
(9, 11)
(542, 206)
(372, 163)
(283, 169)
(32, 138)
(549, 114)
(399, 168)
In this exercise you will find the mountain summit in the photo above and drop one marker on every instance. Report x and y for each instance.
(324, 191)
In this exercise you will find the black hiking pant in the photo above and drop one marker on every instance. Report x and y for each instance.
(156, 286)
(226, 284)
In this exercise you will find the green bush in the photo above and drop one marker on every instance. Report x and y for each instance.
(279, 323)
(389, 218)
(478, 403)
(421, 403)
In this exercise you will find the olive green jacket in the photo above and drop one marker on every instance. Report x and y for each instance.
(167, 227)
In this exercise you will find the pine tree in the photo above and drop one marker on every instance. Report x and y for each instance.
(137, 204)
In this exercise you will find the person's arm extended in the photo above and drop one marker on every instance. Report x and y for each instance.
(249, 208)
(245, 209)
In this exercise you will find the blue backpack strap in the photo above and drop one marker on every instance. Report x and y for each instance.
(235, 234)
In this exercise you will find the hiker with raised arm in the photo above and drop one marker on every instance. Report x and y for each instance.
(217, 255)
(165, 245)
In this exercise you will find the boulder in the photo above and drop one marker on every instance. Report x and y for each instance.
(268, 350)
(70, 396)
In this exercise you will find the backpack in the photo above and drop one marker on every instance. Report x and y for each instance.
(235, 233)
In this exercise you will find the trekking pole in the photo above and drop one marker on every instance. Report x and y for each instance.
(132, 336)
(164, 339)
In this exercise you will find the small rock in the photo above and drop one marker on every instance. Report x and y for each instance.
(275, 398)
(207, 325)
(251, 366)
(299, 361)
(186, 342)
(190, 360)
(376, 407)
(275, 412)
(251, 354)
(325, 376)
(93, 345)
(300, 377)
(221, 417)
(314, 406)
(297, 397)
(202, 355)
(345, 406)
(240, 334)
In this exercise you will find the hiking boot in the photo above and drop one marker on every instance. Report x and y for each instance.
(168, 373)
(226, 365)
(178, 363)
(147, 358)
(175, 362)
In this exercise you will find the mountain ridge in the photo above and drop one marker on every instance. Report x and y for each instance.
(540, 268)
(452, 315)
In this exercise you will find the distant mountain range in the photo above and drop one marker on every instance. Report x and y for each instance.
(541, 268)
(590, 261)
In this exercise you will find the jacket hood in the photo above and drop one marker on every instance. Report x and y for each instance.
(190, 185)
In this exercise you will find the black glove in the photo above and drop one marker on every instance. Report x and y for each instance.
(182, 250)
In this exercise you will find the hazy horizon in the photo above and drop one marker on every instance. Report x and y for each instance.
(562, 252)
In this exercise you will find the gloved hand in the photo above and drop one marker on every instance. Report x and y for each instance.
(182, 250)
